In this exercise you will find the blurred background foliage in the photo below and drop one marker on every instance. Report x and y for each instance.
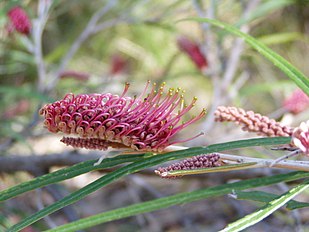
(141, 45)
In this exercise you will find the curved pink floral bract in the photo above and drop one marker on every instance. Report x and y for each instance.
(19, 20)
(300, 137)
(144, 123)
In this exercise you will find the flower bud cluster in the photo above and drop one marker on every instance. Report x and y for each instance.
(195, 162)
(252, 122)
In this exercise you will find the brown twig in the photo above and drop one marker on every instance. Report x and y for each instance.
(35, 163)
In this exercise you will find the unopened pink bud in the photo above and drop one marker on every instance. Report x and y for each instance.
(19, 20)
(192, 49)
(118, 64)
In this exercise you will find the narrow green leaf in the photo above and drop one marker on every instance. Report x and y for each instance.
(264, 212)
(64, 174)
(280, 38)
(139, 165)
(266, 87)
(291, 71)
(267, 197)
(84, 167)
(177, 199)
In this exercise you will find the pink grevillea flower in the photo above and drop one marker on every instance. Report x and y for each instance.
(297, 102)
(19, 20)
(252, 122)
(193, 50)
(144, 123)
(300, 137)
(195, 162)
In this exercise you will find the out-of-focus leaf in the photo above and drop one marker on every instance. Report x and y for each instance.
(264, 9)
(264, 87)
(291, 71)
(25, 91)
(139, 165)
(280, 38)
(12, 68)
(22, 57)
(267, 197)
(165, 202)
(268, 209)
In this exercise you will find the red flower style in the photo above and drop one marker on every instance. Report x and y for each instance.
(297, 102)
(107, 120)
(300, 137)
(192, 49)
(19, 20)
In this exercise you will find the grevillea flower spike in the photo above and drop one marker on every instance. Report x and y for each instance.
(252, 122)
(144, 123)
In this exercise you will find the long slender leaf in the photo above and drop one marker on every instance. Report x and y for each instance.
(64, 174)
(137, 166)
(266, 197)
(87, 166)
(268, 209)
(291, 71)
(177, 199)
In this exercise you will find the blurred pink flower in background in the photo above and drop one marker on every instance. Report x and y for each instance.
(19, 21)
(81, 76)
(300, 137)
(297, 102)
(18, 108)
(193, 50)
(118, 64)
